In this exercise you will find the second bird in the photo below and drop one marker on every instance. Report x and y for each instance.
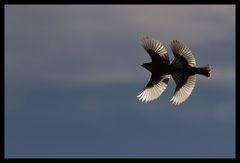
(183, 70)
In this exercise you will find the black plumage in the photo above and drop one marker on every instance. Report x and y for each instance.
(183, 70)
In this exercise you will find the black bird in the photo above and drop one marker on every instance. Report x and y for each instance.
(183, 70)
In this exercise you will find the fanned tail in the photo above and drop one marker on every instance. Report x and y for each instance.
(206, 71)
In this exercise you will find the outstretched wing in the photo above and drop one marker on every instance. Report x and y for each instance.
(184, 88)
(154, 88)
(184, 82)
(183, 53)
(155, 49)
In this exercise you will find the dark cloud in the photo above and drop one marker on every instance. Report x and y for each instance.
(99, 122)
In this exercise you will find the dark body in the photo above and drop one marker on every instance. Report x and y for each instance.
(182, 69)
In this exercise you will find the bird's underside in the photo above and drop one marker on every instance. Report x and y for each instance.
(182, 70)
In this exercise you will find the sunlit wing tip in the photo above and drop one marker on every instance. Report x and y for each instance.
(152, 92)
(182, 94)
(181, 50)
(174, 101)
(138, 96)
(154, 48)
(143, 99)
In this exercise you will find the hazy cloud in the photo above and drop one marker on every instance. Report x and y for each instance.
(72, 74)
(62, 43)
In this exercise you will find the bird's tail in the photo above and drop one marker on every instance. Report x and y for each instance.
(205, 70)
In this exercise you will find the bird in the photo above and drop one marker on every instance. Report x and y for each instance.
(182, 69)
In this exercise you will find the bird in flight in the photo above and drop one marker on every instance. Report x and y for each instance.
(182, 69)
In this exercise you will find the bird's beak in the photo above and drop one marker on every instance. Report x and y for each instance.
(144, 65)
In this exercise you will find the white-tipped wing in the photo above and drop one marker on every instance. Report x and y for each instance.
(184, 88)
(151, 93)
(155, 49)
(182, 52)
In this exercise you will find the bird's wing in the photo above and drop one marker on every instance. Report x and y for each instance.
(155, 49)
(183, 53)
(184, 88)
(154, 88)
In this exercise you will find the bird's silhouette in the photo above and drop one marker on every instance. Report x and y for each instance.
(183, 70)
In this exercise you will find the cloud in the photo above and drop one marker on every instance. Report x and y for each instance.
(99, 44)
(196, 24)
(78, 69)
(224, 75)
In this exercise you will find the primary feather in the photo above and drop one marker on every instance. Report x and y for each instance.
(183, 70)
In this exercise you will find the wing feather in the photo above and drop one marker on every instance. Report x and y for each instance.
(155, 49)
(182, 52)
(152, 92)
(183, 89)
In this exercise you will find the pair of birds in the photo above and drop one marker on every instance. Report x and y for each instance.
(182, 69)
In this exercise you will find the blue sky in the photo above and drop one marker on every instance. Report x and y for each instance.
(72, 74)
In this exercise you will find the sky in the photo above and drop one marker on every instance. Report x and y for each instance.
(72, 74)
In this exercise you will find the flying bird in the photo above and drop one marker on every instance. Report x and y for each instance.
(182, 69)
